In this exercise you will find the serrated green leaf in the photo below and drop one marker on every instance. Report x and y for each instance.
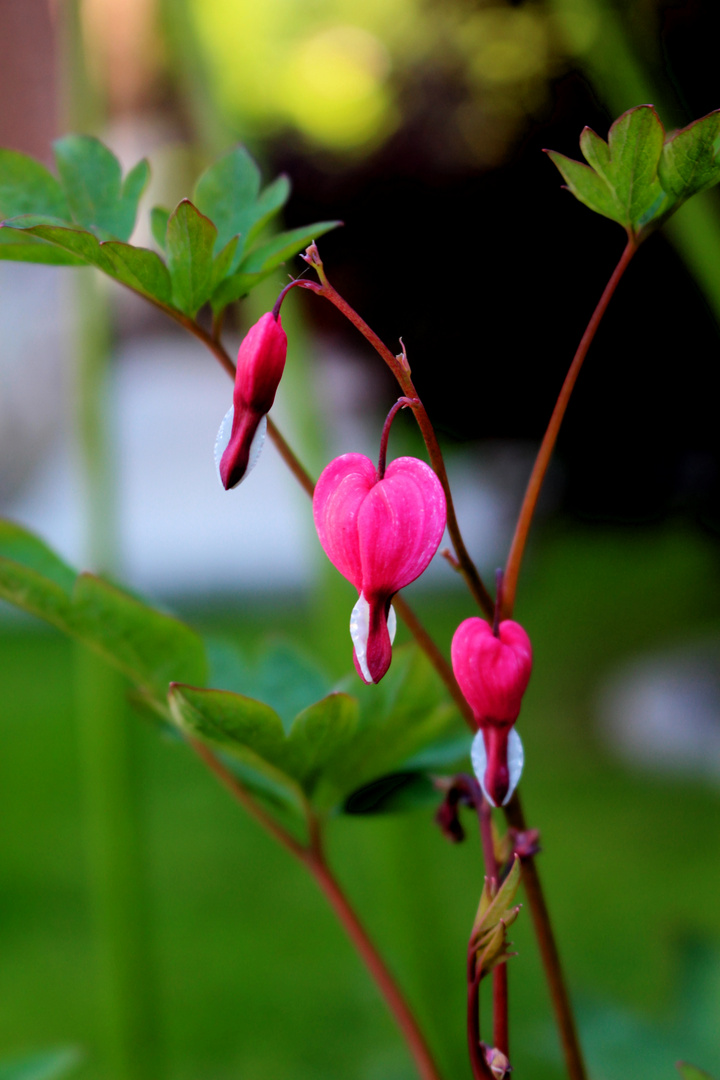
(27, 187)
(265, 259)
(159, 217)
(691, 1072)
(150, 648)
(98, 197)
(227, 193)
(42, 1065)
(138, 268)
(394, 792)
(596, 152)
(495, 906)
(190, 243)
(690, 160)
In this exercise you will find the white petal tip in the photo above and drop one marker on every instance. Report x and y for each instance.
(359, 631)
(223, 438)
(516, 760)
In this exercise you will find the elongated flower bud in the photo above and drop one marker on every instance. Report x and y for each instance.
(493, 673)
(260, 364)
(381, 535)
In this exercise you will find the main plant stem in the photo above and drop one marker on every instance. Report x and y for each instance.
(500, 985)
(542, 461)
(313, 859)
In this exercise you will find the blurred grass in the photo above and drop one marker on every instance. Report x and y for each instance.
(257, 980)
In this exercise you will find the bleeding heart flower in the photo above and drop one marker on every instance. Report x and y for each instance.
(493, 673)
(380, 534)
(260, 364)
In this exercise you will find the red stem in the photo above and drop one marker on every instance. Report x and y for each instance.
(376, 966)
(532, 492)
(500, 984)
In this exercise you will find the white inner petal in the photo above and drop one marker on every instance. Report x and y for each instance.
(359, 632)
(223, 438)
(516, 760)
(392, 623)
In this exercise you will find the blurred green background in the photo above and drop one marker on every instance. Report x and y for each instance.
(415, 122)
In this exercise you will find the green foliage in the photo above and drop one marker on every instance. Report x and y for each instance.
(150, 648)
(691, 1072)
(86, 216)
(98, 197)
(639, 177)
(494, 915)
(44, 1065)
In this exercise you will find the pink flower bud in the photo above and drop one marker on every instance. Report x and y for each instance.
(260, 364)
(493, 673)
(381, 535)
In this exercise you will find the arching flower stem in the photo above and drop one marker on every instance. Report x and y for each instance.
(542, 461)
(401, 403)
(401, 370)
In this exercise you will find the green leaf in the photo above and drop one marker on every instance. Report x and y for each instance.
(19, 247)
(395, 792)
(407, 713)
(27, 187)
(98, 197)
(240, 725)
(691, 1072)
(151, 648)
(227, 193)
(635, 143)
(190, 242)
(251, 730)
(159, 217)
(269, 203)
(222, 263)
(620, 180)
(264, 259)
(139, 268)
(690, 160)
(587, 186)
(250, 736)
(316, 735)
(43, 1065)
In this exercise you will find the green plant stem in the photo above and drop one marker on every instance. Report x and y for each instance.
(550, 956)
(542, 461)
(313, 859)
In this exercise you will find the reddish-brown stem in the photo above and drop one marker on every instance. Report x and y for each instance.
(401, 370)
(500, 986)
(401, 403)
(358, 935)
(542, 461)
(478, 1064)
(549, 953)
(311, 856)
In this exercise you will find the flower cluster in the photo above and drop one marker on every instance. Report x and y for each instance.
(380, 527)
